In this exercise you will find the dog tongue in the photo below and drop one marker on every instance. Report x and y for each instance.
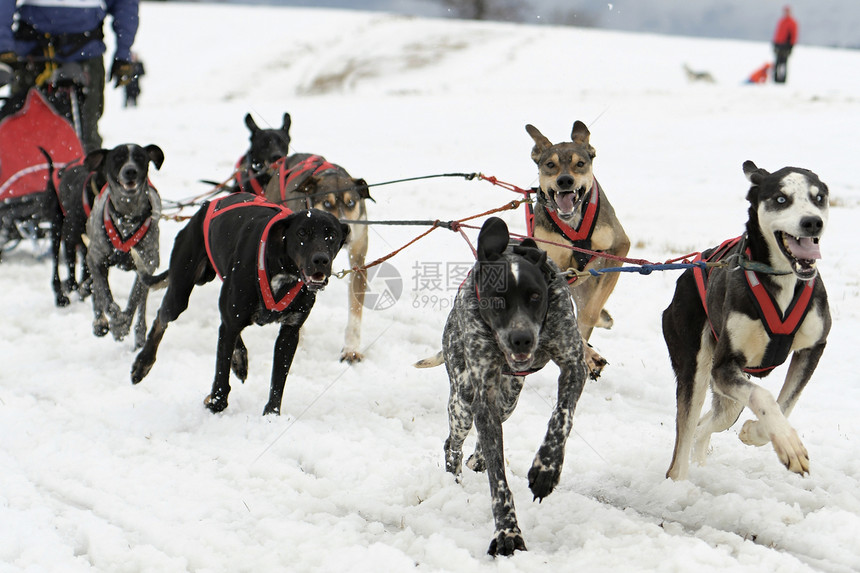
(565, 202)
(804, 248)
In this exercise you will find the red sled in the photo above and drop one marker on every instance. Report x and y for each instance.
(25, 197)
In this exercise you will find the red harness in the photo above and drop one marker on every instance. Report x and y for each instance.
(781, 328)
(579, 236)
(255, 187)
(315, 164)
(249, 200)
(113, 234)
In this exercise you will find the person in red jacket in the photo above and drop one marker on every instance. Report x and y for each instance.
(783, 41)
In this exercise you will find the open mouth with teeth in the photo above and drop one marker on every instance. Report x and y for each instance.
(801, 252)
(519, 362)
(316, 281)
(567, 202)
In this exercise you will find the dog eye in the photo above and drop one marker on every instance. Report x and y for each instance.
(302, 233)
(549, 165)
(819, 198)
(350, 204)
(535, 297)
(327, 204)
(580, 163)
(781, 199)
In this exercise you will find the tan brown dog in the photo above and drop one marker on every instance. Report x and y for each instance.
(572, 209)
(304, 181)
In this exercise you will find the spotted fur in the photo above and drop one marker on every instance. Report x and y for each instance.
(523, 324)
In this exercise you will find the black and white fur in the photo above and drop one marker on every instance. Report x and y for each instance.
(787, 215)
(133, 199)
(523, 319)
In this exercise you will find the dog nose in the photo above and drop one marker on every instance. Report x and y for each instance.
(564, 182)
(521, 341)
(321, 260)
(812, 225)
(129, 173)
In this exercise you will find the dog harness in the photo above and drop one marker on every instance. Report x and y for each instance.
(116, 239)
(251, 183)
(313, 165)
(241, 200)
(578, 237)
(781, 328)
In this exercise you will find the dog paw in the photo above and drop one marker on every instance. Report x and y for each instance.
(120, 325)
(272, 409)
(543, 478)
(140, 368)
(605, 320)
(506, 542)
(751, 434)
(100, 327)
(351, 356)
(791, 452)
(215, 405)
(476, 463)
(62, 300)
(239, 363)
(594, 362)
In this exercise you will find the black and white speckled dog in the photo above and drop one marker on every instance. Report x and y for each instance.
(122, 229)
(512, 315)
(752, 321)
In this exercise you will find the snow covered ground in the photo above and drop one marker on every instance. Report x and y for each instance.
(100, 475)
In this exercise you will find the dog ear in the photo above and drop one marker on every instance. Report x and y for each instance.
(529, 250)
(493, 239)
(95, 159)
(363, 189)
(156, 155)
(580, 135)
(285, 127)
(251, 124)
(541, 142)
(753, 173)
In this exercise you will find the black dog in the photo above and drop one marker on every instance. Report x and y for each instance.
(267, 146)
(512, 315)
(77, 185)
(123, 231)
(732, 323)
(272, 262)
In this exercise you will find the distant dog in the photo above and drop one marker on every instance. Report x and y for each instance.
(512, 315)
(272, 263)
(730, 323)
(698, 76)
(309, 181)
(123, 231)
(77, 185)
(573, 209)
(253, 170)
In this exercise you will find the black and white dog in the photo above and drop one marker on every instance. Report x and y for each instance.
(730, 323)
(512, 315)
(122, 230)
(272, 262)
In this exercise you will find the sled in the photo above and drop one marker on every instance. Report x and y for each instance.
(25, 197)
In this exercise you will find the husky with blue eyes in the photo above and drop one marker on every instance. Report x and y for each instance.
(727, 325)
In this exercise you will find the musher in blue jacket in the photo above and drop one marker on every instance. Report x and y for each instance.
(38, 35)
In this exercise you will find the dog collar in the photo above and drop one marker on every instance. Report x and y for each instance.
(113, 234)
